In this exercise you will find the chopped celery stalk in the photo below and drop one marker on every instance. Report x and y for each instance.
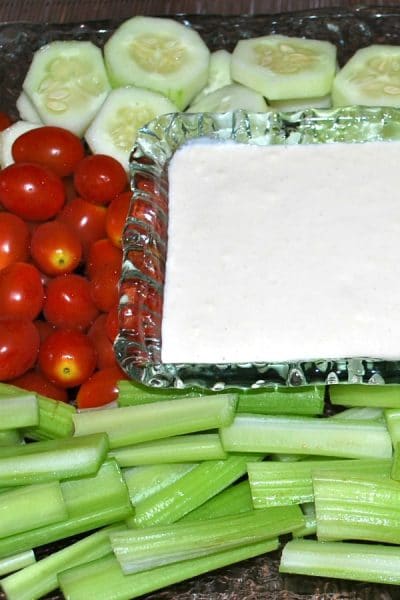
(31, 506)
(356, 507)
(103, 579)
(179, 449)
(395, 473)
(131, 393)
(392, 418)
(286, 457)
(384, 396)
(234, 500)
(307, 435)
(37, 580)
(361, 413)
(142, 549)
(190, 491)
(13, 563)
(10, 437)
(279, 484)
(52, 460)
(310, 526)
(92, 502)
(146, 480)
(345, 560)
(307, 400)
(18, 411)
(142, 423)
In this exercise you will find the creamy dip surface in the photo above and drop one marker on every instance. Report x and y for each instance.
(280, 253)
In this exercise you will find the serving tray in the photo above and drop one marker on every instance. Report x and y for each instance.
(349, 29)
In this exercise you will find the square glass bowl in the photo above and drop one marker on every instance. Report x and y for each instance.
(138, 345)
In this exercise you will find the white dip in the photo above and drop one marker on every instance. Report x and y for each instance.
(283, 252)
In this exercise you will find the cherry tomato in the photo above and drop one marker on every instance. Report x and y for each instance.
(116, 217)
(104, 348)
(69, 302)
(21, 291)
(5, 121)
(34, 381)
(19, 346)
(55, 248)
(44, 328)
(31, 191)
(100, 389)
(98, 178)
(53, 147)
(104, 288)
(67, 358)
(102, 253)
(14, 239)
(112, 323)
(86, 219)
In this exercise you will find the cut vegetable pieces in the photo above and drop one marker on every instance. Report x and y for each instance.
(360, 413)
(304, 400)
(67, 83)
(232, 501)
(385, 396)
(310, 525)
(113, 130)
(131, 393)
(158, 54)
(26, 109)
(142, 482)
(281, 67)
(13, 563)
(10, 437)
(297, 104)
(8, 137)
(219, 73)
(229, 98)
(18, 411)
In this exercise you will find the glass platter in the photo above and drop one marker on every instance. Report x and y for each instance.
(349, 29)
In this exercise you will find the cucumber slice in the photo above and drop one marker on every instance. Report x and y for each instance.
(371, 77)
(8, 137)
(26, 110)
(114, 129)
(301, 103)
(281, 67)
(229, 98)
(158, 54)
(67, 83)
(219, 73)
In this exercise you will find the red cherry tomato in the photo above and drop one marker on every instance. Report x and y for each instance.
(104, 288)
(102, 253)
(44, 328)
(21, 291)
(98, 178)
(67, 358)
(100, 389)
(14, 239)
(112, 323)
(104, 348)
(53, 147)
(34, 381)
(5, 121)
(116, 217)
(19, 346)
(55, 248)
(86, 219)
(31, 191)
(69, 302)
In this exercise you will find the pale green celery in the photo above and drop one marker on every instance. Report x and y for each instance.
(142, 549)
(279, 484)
(103, 579)
(10, 437)
(286, 457)
(361, 413)
(18, 411)
(306, 400)
(384, 396)
(31, 506)
(143, 423)
(13, 563)
(232, 501)
(131, 393)
(146, 480)
(37, 580)
(392, 417)
(307, 435)
(52, 460)
(374, 563)
(356, 507)
(190, 491)
(310, 525)
(92, 502)
(395, 474)
(179, 449)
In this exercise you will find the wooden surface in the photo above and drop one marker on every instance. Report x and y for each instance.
(75, 10)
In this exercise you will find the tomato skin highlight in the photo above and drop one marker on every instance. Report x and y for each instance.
(112, 323)
(98, 178)
(14, 239)
(69, 302)
(19, 347)
(34, 381)
(55, 248)
(86, 219)
(31, 191)
(53, 147)
(117, 213)
(104, 288)
(100, 389)
(21, 291)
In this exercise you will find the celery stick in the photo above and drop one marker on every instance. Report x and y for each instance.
(28, 507)
(41, 578)
(52, 460)
(182, 448)
(356, 507)
(234, 500)
(360, 412)
(362, 562)
(191, 491)
(279, 484)
(310, 525)
(307, 435)
(142, 549)
(131, 393)
(103, 579)
(92, 502)
(307, 400)
(395, 474)
(392, 417)
(10, 437)
(18, 411)
(385, 396)
(13, 563)
(146, 480)
(142, 423)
